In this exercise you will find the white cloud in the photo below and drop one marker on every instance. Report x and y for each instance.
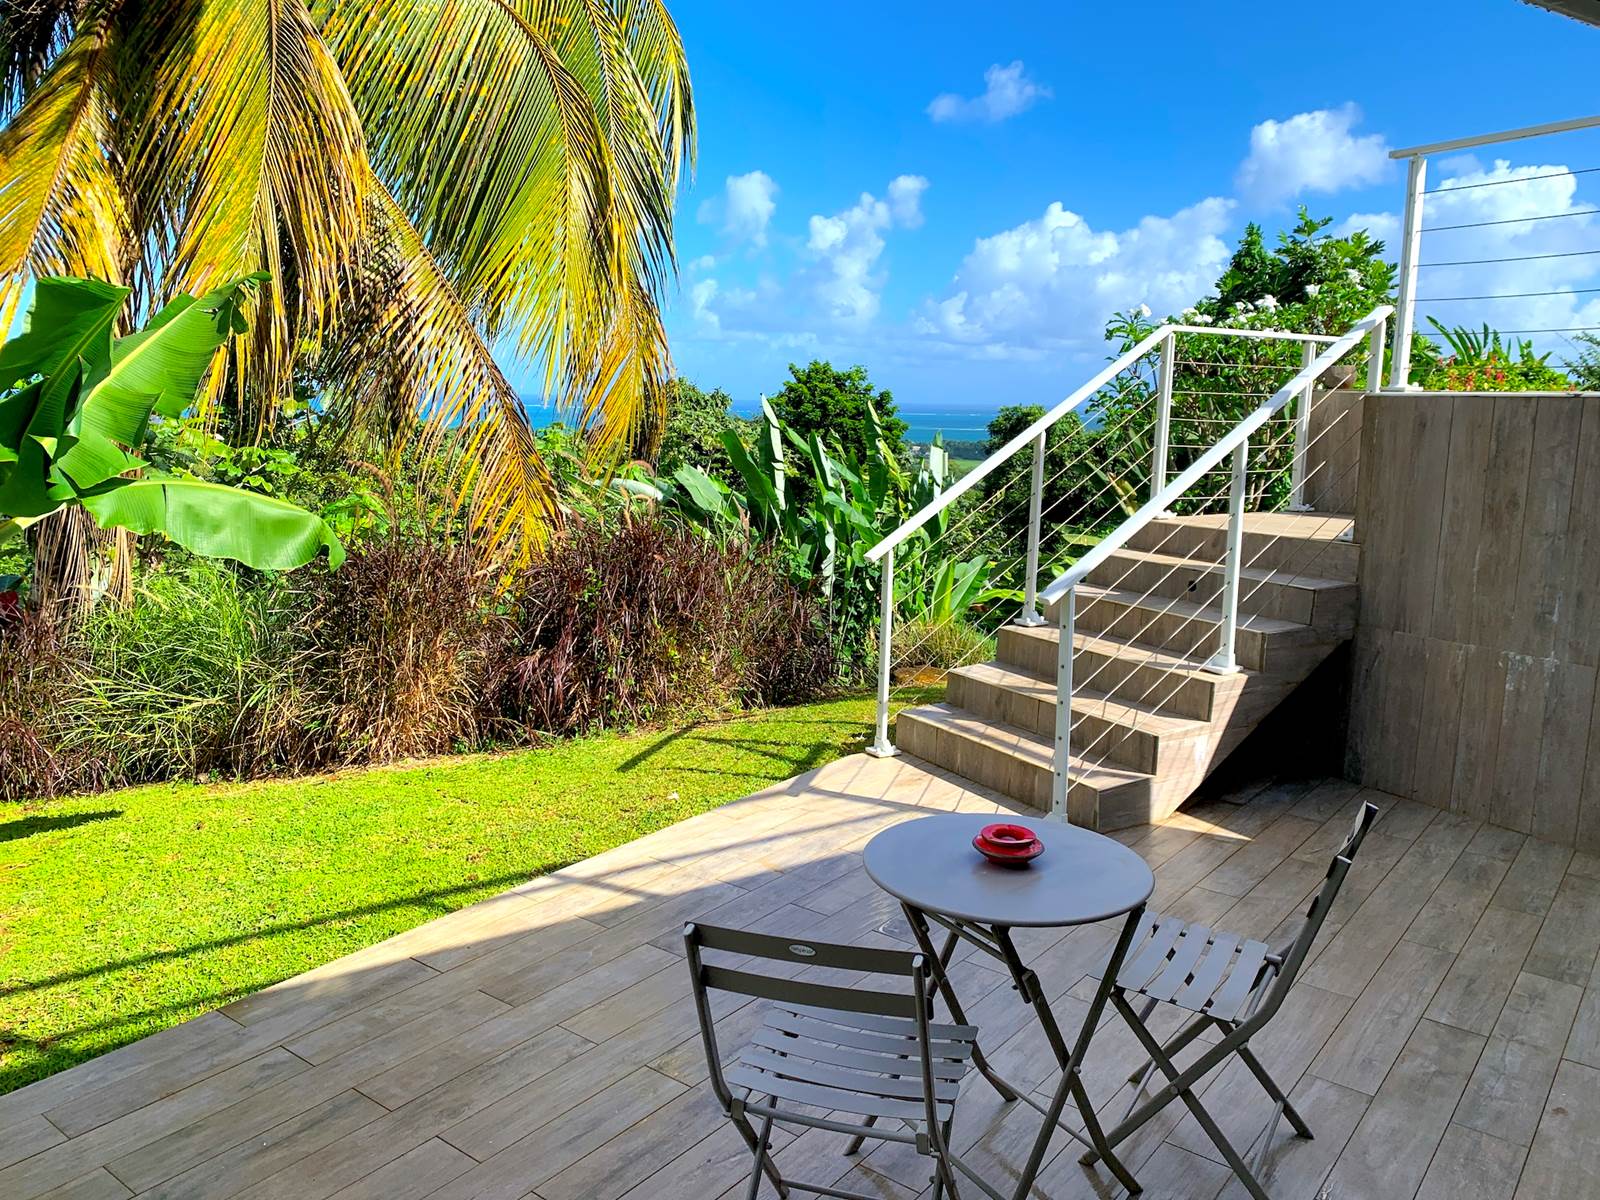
(745, 208)
(704, 263)
(1053, 281)
(847, 246)
(700, 297)
(905, 199)
(1311, 152)
(1007, 92)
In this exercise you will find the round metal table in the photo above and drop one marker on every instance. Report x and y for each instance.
(932, 868)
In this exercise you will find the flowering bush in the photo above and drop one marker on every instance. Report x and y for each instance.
(1480, 362)
(1312, 282)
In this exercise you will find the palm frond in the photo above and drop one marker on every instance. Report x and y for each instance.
(250, 157)
(416, 353)
(32, 34)
(61, 201)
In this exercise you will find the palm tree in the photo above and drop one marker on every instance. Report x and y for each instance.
(422, 180)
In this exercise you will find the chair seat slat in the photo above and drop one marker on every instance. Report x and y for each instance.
(1146, 960)
(832, 1099)
(1230, 998)
(856, 1060)
(866, 1083)
(1194, 994)
(806, 1027)
(1186, 954)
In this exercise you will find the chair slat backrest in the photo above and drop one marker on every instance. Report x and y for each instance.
(748, 980)
(1293, 955)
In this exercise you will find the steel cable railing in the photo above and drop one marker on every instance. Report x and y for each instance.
(1233, 445)
(1187, 655)
(1463, 248)
(1164, 344)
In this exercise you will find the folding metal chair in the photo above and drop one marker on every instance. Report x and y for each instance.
(1231, 982)
(824, 1052)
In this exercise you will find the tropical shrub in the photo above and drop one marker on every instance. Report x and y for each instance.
(692, 434)
(1481, 361)
(825, 532)
(840, 407)
(1311, 282)
(185, 681)
(39, 668)
(623, 622)
(386, 658)
(941, 644)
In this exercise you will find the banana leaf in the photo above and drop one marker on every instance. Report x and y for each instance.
(217, 522)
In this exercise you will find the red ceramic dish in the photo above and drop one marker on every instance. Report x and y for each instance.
(1008, 845)
(1005, 836)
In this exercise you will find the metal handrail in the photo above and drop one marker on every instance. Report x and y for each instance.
(975, 476)
(1116, 367)
(1225, 445)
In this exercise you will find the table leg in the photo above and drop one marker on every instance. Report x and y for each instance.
(938, 962)
(1071, 1085)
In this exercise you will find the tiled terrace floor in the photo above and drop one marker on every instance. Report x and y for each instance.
(1444, 1043)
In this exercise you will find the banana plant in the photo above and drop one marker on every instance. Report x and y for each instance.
(852, 506)
(75, 407)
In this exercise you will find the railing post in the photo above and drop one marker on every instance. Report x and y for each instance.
(1168, 367)
(1029, 616)
(1061, 759)
(1302, 435)
(1410, 248)
(1375, 355)
(1225, 661)
(881, 746)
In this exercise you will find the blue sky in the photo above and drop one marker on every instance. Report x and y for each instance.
(968, 249)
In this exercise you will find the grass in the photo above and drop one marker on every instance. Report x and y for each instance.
(126, 912)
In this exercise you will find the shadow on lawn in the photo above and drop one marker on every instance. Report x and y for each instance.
(498, 882)
(15, 831)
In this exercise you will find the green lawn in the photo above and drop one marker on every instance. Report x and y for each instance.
(126, 912)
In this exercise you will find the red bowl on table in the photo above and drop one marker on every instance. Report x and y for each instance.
(1008, 845)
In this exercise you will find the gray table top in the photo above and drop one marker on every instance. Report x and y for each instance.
(1082, 876)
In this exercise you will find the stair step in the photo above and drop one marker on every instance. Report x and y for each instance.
(1018, 762)
(1134, 671)
(1105, 728)
(1193, 631)
(1305, 543)
(1327, 604)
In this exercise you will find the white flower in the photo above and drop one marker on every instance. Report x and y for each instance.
(1268, 303)
(1353, 275)
(1142, 311)
(1243, 306)
(1313, 289)
(1200, 318)
(1190, 311)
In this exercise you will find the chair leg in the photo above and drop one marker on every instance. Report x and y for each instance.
(855, 1142)
(758, 1144)
(1192, 1102)
(1272, 1089)
(944, 1175)
(1174, 1044)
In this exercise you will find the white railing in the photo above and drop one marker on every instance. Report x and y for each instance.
(1235, 444)
(1413, 261)
(1164, 342)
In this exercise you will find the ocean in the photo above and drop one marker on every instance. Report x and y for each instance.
(966, 424)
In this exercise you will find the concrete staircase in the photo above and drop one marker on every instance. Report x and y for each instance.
(1150, 722)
